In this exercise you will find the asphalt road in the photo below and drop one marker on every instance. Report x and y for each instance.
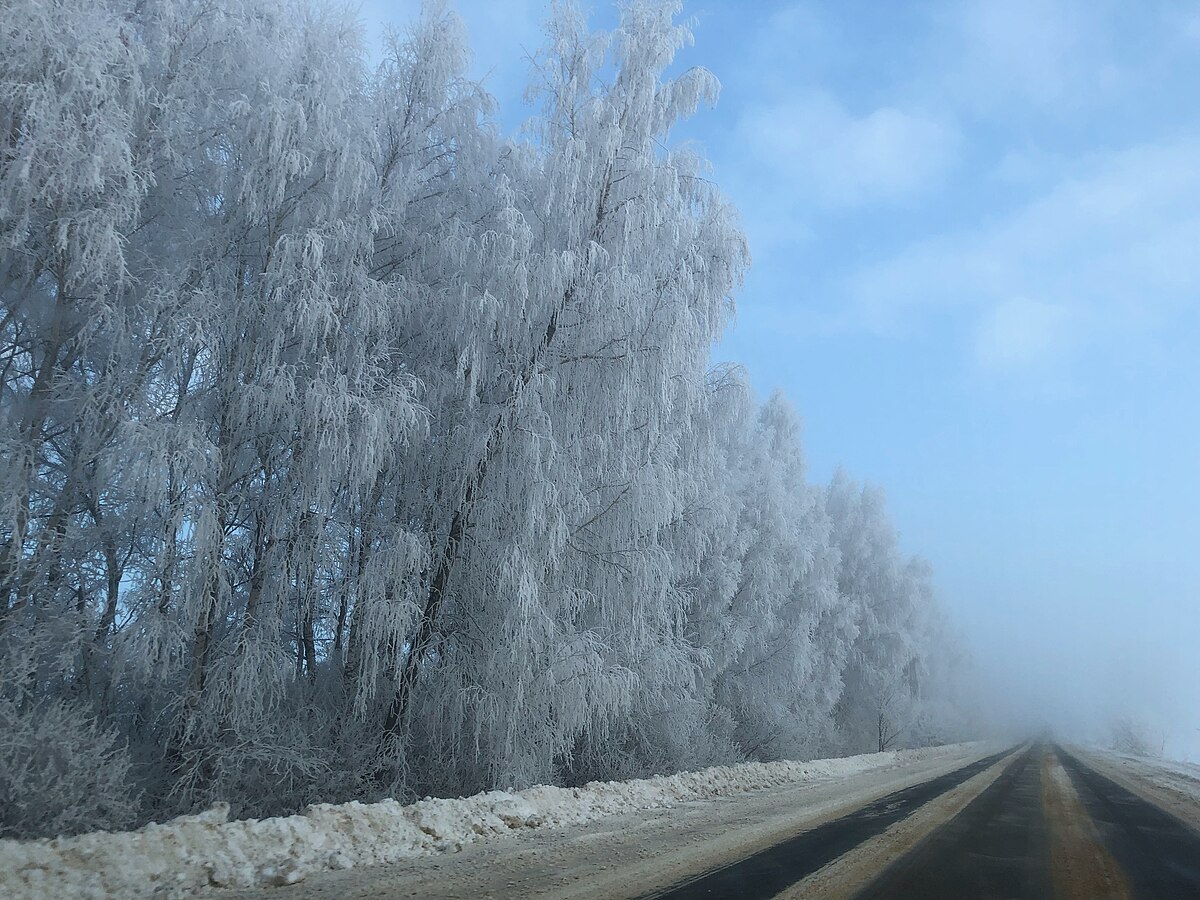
(998, 846)
(1047, 827)
(1158, 853)
(772, 870)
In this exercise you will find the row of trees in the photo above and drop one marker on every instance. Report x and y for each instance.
(350, 448)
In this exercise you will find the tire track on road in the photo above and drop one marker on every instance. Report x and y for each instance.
(778, 867)
(998, 846)
(1081, 867)
(1050, 826)
(1159, 854)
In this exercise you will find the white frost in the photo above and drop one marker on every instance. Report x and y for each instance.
(191, 852)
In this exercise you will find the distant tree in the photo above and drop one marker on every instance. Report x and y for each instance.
(1129, 736)
(888, 598)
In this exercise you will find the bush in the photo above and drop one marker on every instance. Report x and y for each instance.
(61, 773)
(1129, 736)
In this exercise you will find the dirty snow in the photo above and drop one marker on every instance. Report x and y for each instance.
(1173, 785)
(178, 857)
(1182, 776)
(632, 854)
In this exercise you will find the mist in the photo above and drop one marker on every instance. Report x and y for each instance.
(992, 315)
(1080, 682)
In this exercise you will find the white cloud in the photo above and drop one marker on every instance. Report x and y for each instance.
(819, 154)
(794, 38)
(1045, 53)
(1032, 43)
(1114, 246)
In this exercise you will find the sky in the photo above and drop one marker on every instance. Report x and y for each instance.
(976, 238)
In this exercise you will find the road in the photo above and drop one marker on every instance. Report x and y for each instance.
(1046, 826)
(1035, 821)
(770, 871)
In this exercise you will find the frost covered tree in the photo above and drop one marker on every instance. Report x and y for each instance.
(196, 368)
(767, 578)
(596, 279)
(777, 684)
(349, 447)
(889, 599)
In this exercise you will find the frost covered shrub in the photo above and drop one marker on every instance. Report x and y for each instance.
(61, 772)
(1127, 735)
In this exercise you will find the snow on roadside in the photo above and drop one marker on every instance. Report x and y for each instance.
(1173, 775)
(178, 857)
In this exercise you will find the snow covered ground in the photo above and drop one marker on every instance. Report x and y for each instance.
(184, 855)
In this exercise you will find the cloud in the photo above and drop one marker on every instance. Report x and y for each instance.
(1109, 249)
(1034, 44)
(1040, 53)
(795, 41)
(821, 155)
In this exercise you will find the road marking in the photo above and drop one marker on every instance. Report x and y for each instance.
(1082, 868)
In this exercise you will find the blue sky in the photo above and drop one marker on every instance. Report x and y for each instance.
(976, 240)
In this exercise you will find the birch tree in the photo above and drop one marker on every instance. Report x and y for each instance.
(350, 448)
(886, 595)
(625, 259)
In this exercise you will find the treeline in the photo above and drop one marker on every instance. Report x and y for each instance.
(350, 448)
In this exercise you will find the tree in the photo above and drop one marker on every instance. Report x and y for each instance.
(886, 597)
(621, 260)
(351, 448)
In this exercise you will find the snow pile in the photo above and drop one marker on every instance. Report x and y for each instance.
(177, 857)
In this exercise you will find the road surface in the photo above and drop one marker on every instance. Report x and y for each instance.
(1034, 821)
(1047, 826)
(770, 871)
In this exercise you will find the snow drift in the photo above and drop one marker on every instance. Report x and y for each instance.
(190, 852)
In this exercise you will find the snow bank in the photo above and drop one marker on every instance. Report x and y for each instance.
(184, 854)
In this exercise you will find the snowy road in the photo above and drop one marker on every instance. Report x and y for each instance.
(1036, 822)
(1051, 826)
(777, 868)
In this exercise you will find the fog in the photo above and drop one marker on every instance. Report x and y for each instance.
(1079, 679)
